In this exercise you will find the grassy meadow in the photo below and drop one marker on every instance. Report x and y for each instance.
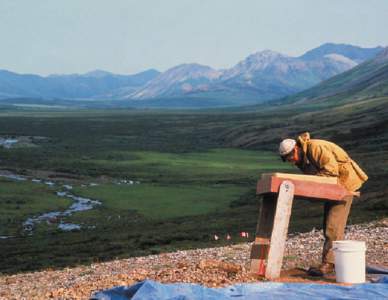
(193, 175)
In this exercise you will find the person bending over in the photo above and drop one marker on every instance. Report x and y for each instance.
(324, 158)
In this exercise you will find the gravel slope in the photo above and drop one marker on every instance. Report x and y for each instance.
(212, 267)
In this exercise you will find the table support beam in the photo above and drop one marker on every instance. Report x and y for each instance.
(271, 232)
(280, 230)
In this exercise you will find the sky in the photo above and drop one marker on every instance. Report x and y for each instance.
(125, 36)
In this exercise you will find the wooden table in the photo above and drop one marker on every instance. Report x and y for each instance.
(278, 190)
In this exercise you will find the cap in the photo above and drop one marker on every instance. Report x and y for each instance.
(286, 146)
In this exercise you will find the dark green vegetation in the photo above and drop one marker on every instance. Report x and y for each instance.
(188, 191)
(193, 185)
(197, 171)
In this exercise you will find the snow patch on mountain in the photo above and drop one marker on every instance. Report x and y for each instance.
(341, 59)
(184, 78)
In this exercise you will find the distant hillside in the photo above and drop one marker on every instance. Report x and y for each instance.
(367, 80)
(272, 75)
(184, 78)
(355, 53)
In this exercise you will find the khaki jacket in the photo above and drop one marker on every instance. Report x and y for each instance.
(324, 158)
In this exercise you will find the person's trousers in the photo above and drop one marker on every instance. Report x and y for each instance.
(334, 222)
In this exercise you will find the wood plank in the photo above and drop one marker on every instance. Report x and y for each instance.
(309, 189)
(280, 230)
(260, 247)
(262, 241)
(313, 178)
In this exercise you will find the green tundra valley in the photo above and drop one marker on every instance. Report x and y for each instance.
(159, 180)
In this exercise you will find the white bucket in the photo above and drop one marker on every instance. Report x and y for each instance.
(349, 261)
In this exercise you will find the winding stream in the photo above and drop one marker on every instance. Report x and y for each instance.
(79, 204)
(8, 143)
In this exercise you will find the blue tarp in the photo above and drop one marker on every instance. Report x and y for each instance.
(151, 290)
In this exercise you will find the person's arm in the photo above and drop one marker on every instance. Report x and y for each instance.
(324, 160)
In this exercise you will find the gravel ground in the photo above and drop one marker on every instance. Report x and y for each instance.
(212, 267)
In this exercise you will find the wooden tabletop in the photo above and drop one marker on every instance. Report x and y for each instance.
(308, 186)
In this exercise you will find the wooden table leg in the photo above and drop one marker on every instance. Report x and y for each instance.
(280, 230)
(271, 232)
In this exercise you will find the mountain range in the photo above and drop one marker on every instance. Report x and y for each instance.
(260, 77)
(93, 85)
(368, 80)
